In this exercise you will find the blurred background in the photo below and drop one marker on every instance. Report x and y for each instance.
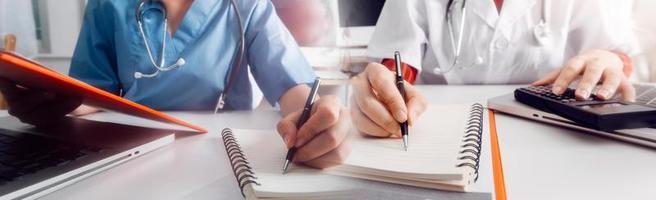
(47, 30)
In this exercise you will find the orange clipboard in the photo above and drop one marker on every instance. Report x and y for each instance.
(497, 168)
(27, 73)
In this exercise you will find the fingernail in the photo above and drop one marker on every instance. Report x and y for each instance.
(584, 93)
(401, 115)
(397, 133)
(603, 93)
(299, 142)
(630, 99)
(557, 90)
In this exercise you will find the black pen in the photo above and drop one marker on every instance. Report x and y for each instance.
(401, 86)
(304, 117)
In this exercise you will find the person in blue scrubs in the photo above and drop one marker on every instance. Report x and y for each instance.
(205, 33)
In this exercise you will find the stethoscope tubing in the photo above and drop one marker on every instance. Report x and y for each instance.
(233, 71)
(159, 67)
(541, 31)
(456, 43)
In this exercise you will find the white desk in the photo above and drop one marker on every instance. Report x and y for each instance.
(547, 162)
(540, 161)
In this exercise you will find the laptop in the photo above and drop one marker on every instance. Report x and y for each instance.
(645, 94)
(35, 162)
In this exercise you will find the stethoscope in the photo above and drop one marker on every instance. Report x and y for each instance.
(541, 33)
(161, 67)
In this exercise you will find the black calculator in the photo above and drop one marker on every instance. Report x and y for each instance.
(593, 113)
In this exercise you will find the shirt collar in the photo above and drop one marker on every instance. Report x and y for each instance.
(194, 22)
(510, 11)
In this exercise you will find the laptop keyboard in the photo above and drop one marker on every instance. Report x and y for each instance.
(646, 94)
(23, 154)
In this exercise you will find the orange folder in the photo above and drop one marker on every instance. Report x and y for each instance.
(497, 168)
(29, 74)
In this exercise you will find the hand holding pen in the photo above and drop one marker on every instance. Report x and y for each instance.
(378, 107)
(321, 141)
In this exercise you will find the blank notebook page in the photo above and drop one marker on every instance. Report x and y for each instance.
(266, 152)
(433, 151)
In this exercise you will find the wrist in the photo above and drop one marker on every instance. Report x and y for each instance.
(409, 72)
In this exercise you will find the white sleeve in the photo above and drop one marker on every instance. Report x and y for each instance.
(600, 24)
(604, 24)
(401, 27)
(643, 12)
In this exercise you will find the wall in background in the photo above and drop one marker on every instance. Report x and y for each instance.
(58, 22)
(59, 64)
(645, 29)
(61, 21)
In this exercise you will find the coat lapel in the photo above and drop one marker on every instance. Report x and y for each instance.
(485, 10)
(511, 12)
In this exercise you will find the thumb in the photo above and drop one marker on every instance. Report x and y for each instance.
(627, 90)
(548, 79)
(287, 128)
(417, 103)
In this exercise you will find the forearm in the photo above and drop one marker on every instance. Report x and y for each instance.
(294, 99)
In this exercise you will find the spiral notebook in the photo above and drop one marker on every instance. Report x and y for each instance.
(443, 153)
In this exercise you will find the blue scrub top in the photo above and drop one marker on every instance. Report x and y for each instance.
(110, 50)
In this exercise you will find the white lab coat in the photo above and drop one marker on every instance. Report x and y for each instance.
(499, 48)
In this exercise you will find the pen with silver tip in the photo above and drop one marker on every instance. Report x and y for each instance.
(307, 110)
(401, 86)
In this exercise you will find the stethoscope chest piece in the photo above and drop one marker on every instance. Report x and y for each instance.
(542, 34)
(159, 65)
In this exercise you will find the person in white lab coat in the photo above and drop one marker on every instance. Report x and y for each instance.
(492, 42)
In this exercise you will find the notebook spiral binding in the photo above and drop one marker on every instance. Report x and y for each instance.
(471, 147)
(240, 165)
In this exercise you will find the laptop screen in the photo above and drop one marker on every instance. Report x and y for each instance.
(354, 13)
